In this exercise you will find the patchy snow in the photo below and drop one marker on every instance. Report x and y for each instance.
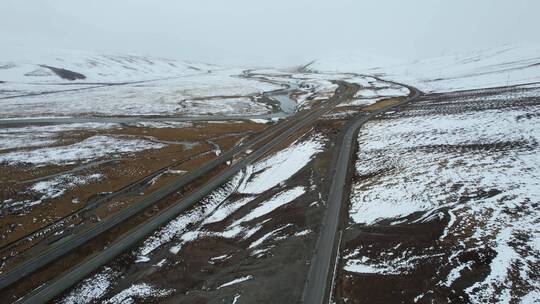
(227, 209)
(480, 166)
(260, 120)
(341, 114)
(531, 297)
(503, 265)
(33, 117)
(360, 102)
(92, 288)
(220, 258)
(57, 186)
(303, 232)
(161, 124)
(272, 204)
(391, 91)
(266, 236)
(215, 208)
(224, 106)
(50, 189)
(308, 86)
(455, 273)
(358, 266)
(92, 148)
(178, 227)
(25, 140)
(261, 252)
(384, 140)
(215, 147)
(390, 264)
(137, 292)
(161, 263)
(282, 165)
(235, 281)
(232, 231)
(35, 136)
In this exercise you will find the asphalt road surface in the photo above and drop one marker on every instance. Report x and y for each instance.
(62, 247)
(320, 280)
(53, 288)
(131, 119)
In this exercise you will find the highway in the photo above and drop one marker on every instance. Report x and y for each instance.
(269, 139)
(9, 122)
(320, 280)
(67, 244)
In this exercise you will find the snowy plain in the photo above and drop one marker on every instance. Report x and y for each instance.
(220, 92)
(34, 83)
(27, 66)
(500, 66)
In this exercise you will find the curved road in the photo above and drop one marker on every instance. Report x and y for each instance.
(320, 280)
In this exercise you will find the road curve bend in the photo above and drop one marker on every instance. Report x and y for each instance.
(320, 279)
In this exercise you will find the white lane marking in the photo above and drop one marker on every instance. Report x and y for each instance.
(335, 268)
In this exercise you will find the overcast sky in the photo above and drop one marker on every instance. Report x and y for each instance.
(267, 32)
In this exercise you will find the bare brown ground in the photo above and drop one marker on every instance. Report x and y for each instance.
(119, 174)
(382, 104)
(376, 241)
(199, 132)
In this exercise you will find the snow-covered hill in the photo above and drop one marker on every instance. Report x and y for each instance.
(87, 83)
(63, 66)
(501, 66)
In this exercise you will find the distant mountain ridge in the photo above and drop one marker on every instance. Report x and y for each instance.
(57, 66)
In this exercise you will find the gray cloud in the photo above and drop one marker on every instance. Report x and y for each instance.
(269, 32)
